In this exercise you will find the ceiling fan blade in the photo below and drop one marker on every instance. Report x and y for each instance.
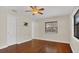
(33, 14)
(28, 11)
(32, 7)
(41, 9)
(40, 13)
(35, 6)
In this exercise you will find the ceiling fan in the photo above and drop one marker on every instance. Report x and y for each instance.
(35, 10)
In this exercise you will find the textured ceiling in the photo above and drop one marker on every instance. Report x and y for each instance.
(48, 12)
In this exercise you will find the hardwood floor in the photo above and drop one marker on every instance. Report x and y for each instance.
(38, 46)
(51, 47)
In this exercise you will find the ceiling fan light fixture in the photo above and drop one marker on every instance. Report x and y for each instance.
(36, 11)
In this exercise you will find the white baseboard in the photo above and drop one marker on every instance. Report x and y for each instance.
(51, 40)
(23, 41)
(72, 48)
(5, 46)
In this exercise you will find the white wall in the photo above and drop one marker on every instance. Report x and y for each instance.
(74, 42)
(2, 27)
(63, 34)
(24, 33)
(12, 29)
(7, 24)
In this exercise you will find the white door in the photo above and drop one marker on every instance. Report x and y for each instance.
(11, 29)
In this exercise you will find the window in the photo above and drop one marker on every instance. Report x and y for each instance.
(76, 24)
